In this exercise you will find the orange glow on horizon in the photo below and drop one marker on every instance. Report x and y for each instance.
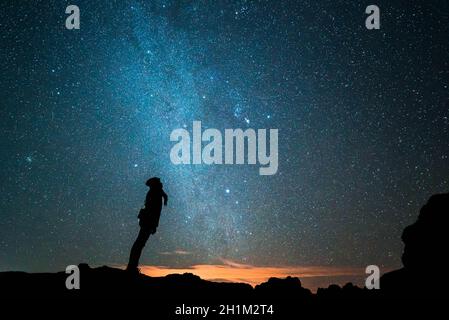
(231, 271)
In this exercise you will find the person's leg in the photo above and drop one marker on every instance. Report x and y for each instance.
(137, 247)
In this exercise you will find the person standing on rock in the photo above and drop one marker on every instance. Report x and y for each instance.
(148, 220)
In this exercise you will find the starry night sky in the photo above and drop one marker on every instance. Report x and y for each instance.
(86, 117)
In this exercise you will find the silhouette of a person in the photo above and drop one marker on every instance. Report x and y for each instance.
(148, 220)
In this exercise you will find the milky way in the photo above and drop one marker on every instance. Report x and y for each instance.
(87, 114)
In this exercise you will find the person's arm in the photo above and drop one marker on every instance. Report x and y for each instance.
(164, 195)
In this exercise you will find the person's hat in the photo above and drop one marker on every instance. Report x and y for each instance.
(153, 181)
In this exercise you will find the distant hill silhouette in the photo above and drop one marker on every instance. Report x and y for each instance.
(422, 276)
